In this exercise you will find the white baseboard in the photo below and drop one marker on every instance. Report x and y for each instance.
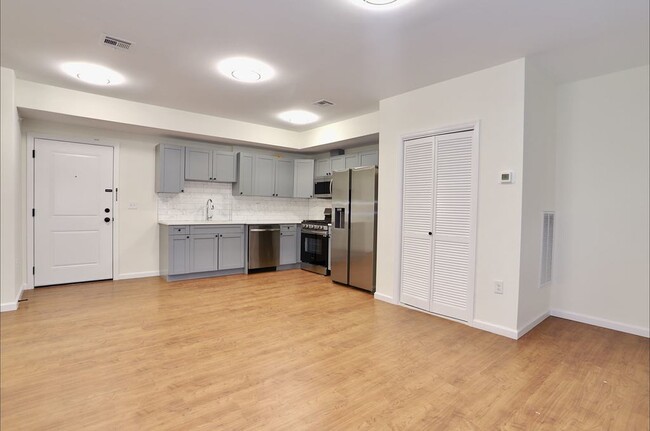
(603, 323)
(385, 298)
(530, 325)
(132, 275)
(495, 329)
(13, 306)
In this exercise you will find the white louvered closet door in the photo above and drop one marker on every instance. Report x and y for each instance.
(417, 217)
(453, 224)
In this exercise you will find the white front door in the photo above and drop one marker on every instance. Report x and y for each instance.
(73, 222)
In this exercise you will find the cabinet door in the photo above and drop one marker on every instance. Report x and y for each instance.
(179, 254)
(288, 249)
(231, 251)
(351, 161)
(369, 158)
(303, 178)
(417, 223)
(322, 167)
(203, 252)
(223, 167)
(170, 168)
(284, 178)
(244, 184)
(337, 163)
(198, 164)
(264, 176)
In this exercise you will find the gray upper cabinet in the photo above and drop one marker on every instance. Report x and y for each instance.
(170, 168)
(369, 158)
(284, 178)
(231, 250)
(244, 184)
(303, 178)
(337, 163)
(198, 164)
(351, 161)
(323, 167)
(224, 168)
(264, 176)
(209, 165)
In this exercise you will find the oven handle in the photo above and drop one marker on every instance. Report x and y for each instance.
(315, 232)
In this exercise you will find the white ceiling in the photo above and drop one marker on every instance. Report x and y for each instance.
(329, 49)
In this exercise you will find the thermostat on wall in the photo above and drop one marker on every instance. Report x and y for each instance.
(506, 177)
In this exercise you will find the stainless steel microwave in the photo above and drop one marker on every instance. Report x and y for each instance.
(323, 187)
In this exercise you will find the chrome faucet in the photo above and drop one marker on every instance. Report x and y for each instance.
(209, 207)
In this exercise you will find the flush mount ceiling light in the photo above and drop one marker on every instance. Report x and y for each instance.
(244, 69)
(380, 4)
(93, 73)
(298, 117)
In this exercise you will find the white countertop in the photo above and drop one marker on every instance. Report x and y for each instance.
(221, 222)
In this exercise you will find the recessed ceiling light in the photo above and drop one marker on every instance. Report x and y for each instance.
(93, 73)
(245, 69)
(299, 117)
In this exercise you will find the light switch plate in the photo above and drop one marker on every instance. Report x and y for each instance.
(506, 177)
(498, 287)
(133, 206)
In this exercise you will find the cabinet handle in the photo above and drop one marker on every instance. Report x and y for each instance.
(430, 233)
(182, 191)
(216, 236)
(241, 193)
(188, 237)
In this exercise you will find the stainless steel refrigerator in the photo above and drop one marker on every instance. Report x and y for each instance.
(354, 227)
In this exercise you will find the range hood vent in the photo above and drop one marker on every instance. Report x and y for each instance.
(116, 43)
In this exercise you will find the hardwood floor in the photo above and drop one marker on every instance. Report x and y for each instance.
(292, 351)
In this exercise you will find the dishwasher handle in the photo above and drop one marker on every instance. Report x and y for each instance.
(263, 230)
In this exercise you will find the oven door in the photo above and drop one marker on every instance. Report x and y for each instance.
(314, 250)
(323, 188)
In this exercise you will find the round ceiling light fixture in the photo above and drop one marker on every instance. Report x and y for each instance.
(91, 73)
(298, 117)
(245, 69)
(380, 4)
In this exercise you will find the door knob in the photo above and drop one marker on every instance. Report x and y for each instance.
(107, 210)
(107, 219)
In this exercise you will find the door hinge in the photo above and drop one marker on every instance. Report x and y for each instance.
(33, 212)
(115, 194)
(33, 154)
(33, 270)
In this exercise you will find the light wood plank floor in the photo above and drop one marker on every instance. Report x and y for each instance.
(292, 351)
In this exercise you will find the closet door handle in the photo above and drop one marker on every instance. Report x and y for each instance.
(430, 233)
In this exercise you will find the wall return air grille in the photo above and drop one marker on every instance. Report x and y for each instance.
(546, 273)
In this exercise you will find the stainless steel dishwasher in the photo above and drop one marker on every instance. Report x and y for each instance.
(263, 246)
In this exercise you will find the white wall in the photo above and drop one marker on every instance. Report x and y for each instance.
(602, 201)
(495, 97)
(538, 180)
(12, 230)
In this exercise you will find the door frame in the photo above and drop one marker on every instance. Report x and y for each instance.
(472, 125)
(30, 195)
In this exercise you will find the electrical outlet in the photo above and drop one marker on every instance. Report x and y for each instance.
(498, 287)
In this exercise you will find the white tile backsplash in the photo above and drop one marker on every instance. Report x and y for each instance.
(191, 205)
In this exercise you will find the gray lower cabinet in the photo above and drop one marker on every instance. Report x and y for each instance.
(179, 254)
(204, 252)
(288, 245)
(170, 168)
(231, 250)
(201, 249)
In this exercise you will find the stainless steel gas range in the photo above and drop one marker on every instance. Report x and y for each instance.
(315, 244)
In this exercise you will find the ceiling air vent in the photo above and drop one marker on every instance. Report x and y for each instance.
(324, 103)
(116, 43)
